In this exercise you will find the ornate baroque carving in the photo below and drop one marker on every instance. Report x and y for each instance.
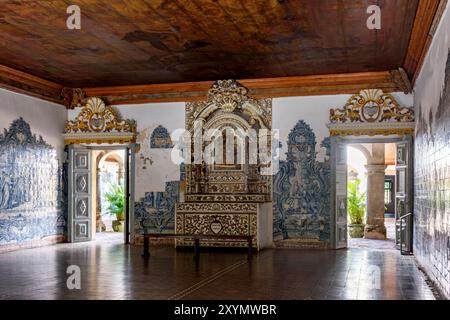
(345, 131)
(72, 97)
(372, 106)
(228, 105)
(98, 139)
(224, 198)
(216, 207)
(227, 197)
(99, 123)
(228, 95)
(98, 117)
(371, 112)
(217, 218)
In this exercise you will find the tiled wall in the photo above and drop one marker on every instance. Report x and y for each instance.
(31, 198)
(432, 190)
(32, 209)
(156, 211)
(301, 192)
(432, 160)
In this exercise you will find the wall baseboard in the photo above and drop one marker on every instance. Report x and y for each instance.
(33, 243)
(301, 244)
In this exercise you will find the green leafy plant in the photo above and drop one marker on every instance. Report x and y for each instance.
(116, 199)
(356, 202)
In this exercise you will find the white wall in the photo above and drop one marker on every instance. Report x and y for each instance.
(430, 82)
(148, 116)
(45, 118)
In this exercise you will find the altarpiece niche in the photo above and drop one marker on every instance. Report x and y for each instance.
(228, 167)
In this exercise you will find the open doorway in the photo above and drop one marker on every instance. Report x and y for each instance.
(99, 193)
(379, 170)
(109, 194)
(371, 195)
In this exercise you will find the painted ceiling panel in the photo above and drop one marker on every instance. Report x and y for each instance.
(162, 41)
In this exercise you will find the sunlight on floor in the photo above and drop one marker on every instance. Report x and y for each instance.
(388, 244)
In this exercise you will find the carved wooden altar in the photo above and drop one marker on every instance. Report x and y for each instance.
(223, 196)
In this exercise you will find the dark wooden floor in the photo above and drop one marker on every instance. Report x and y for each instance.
(111, 270)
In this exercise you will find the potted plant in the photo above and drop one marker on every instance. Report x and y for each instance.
(116, 198)
(356, 207)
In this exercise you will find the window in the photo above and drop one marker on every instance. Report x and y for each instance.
(387, 192)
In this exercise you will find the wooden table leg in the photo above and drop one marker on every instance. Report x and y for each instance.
(146, 253)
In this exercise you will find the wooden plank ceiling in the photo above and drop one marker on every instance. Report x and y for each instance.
(164, 50)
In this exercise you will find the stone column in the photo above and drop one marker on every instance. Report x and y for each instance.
(375, 228)
(99, 224)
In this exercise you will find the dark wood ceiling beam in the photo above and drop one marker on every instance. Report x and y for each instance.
(350, 83)
(347, 83)
(428, 16)
(21, 82)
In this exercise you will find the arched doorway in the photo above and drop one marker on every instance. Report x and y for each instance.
(109, 186)
(370, 185)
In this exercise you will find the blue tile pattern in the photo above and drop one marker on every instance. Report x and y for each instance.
(31, 197)
(160, 138)
(157, 210)
(301, 189)
(432, 189)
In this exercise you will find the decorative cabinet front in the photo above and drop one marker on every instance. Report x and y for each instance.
(218, 218)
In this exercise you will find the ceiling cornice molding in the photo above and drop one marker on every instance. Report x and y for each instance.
(428, 16)
(347, 83)
(25, 83)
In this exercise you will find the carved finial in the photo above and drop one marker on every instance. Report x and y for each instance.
(227, 94)
(72, 97)
(401, 80)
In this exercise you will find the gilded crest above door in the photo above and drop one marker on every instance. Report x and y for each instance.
(371, 112)
(99, 123)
